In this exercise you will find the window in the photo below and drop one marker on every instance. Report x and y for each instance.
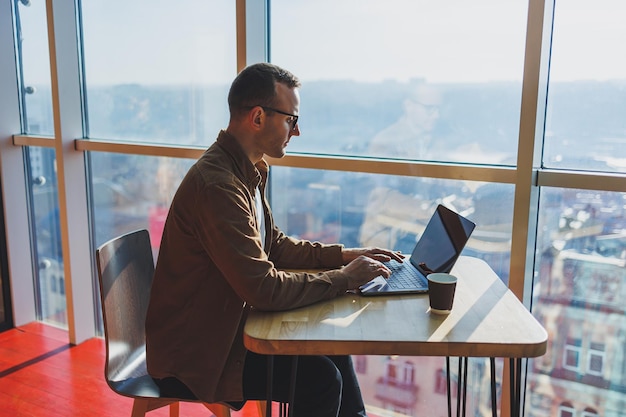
(577, 295)
(360, 363)
(36, 118)
(389, 211)
(405, 79)
(595, 359)
(51, 306)
(6, 318)
(441, 385)
(391, 375)
(175, 96)
(133, 192)
(586, 95)
(566, 410)
(399, 81)
(35, 71)
(589, 412)
(408, 373)
(571, 357)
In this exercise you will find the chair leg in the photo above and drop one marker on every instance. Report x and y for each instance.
(218, 410)
(140, 407)
(262, 407)
(175, 409)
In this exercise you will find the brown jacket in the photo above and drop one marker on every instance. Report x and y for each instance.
(212, 269)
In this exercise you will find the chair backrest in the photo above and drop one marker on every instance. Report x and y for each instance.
(125, 272)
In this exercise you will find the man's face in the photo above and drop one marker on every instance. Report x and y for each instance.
(279, 128)
(423, 108)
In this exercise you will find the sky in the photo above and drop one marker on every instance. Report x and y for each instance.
(193, 41)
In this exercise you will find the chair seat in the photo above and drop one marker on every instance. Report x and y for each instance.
(142, 386)
(145, 387)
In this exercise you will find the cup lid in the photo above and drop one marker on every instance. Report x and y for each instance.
(442, 278)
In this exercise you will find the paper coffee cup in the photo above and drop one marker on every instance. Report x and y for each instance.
(441, 288)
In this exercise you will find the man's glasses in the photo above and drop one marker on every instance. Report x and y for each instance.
(294, 118)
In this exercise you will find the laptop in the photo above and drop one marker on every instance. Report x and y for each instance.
(437, 250)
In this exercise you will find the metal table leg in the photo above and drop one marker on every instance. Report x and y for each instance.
(494, 401)
(448, 386)
(292, 385)
(461, 384)
(461, 387)
(270, 382)
(515, 374)
(465, 361)
(284, 408)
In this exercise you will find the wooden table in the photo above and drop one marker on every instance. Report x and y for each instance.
(487, 320)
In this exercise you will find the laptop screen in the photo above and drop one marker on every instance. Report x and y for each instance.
(443, 240)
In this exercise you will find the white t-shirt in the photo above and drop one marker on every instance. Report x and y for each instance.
(260, 215)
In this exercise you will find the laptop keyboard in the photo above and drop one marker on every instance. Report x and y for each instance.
(402, 277)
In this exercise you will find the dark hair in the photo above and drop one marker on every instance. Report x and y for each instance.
(256, 86)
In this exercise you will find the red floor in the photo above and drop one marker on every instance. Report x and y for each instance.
(42, 375)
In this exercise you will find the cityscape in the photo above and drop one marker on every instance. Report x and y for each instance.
(580, 271)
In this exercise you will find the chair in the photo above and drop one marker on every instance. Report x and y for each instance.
(125, 270)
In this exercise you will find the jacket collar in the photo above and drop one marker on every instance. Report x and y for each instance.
(252, 174)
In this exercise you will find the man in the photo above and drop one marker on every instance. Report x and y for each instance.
(411, 136)
(221, 255)
(404, 199)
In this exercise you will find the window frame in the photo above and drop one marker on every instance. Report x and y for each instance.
(592, 352)
(567, 408)
(573, 346)
(528, 176)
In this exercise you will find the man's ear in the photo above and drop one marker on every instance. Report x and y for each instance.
(257, 117)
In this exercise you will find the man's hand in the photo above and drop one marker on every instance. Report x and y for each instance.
(364, 269)
(381, 255)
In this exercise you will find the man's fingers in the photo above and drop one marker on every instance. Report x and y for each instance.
(383, 270)
(385, 255)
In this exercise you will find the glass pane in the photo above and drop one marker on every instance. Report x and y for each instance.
(133, 192)
(375, 210)
(359, 209)
(578, 296)
(172, 93)
(436, 81)
(571, 360)
(35, 67)
(596, 364)
(416, 386)
(585, 126)
(6, 319)
(50, 282)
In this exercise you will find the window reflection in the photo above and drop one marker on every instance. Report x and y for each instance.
(390, 211)
(579, 290)
(359, 209)
(382, 86)
(175, 94)
(585, 127)
(35, 71)
(579, 297)
(50, 275)
(411, 135)
(133, 192)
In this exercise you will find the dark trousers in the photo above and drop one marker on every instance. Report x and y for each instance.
(326, 386)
